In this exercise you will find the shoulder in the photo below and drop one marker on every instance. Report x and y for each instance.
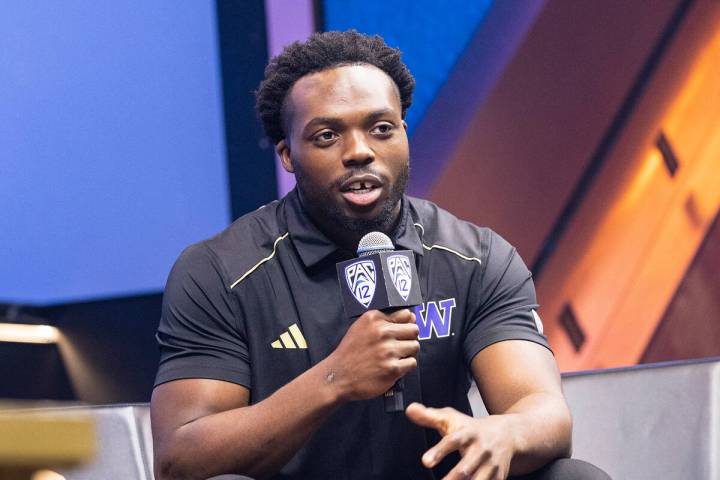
(237, 249)
(441, 230)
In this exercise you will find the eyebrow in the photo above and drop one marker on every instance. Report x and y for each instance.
(371, 117)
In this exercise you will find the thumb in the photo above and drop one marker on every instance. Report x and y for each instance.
(427, 417)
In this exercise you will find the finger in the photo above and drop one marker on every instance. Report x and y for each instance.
(488, 472)
(371, 316)
(402, 316)
(405, 365)
(469, 465)
(449, 443)
(403, 331)
(426, 417)
(407, 348)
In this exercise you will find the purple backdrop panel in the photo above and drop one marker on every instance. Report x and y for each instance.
(287, 21)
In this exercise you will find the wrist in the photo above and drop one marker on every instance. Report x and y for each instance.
(331, 387)
(514, 428)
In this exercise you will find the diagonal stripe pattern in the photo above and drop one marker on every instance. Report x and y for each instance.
(292, 338)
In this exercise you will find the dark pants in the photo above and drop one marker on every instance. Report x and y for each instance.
(566, 469)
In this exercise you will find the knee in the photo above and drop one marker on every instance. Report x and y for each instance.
(570, 469)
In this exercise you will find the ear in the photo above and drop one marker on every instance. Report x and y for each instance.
(283, 151)
(404, 124)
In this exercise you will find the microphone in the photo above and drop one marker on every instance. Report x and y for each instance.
(374, 242)
(381, 278)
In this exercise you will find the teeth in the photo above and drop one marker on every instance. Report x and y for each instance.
(359, 186)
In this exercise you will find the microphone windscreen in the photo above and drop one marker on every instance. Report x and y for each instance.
(374, 242)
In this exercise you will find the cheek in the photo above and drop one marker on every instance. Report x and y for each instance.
(398, 156)
(399, 147)
(315, 170)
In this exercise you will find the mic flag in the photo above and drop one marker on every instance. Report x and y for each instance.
(382, 278)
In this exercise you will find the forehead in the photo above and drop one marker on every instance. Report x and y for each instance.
(341, 91)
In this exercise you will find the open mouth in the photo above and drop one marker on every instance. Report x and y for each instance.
(361, 191)
(359, 187)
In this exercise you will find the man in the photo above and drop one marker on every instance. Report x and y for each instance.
(262, 374)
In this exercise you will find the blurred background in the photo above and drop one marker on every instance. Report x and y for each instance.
(585, 132)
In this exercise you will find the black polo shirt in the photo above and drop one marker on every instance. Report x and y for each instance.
(260, 303)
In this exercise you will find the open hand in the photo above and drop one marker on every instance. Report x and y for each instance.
(485, 444)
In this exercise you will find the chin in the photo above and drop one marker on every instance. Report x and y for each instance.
(370, 213)
(379, 218)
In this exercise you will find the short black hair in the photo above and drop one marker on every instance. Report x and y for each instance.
(320, 52)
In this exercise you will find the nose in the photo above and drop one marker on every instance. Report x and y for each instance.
(357, 150)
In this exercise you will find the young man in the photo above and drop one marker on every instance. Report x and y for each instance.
(262, 374)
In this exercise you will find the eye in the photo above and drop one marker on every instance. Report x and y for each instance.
(325, 137)
(383, 129)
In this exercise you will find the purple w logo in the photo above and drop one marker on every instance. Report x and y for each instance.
(431, 319)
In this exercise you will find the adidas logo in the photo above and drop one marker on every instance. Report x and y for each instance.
(286, 339)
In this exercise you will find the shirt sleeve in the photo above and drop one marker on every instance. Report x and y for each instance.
(506, 308)
(199, 333)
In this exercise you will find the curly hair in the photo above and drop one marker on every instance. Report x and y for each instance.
(321, 52)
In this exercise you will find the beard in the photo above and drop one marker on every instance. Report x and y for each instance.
(324, 206)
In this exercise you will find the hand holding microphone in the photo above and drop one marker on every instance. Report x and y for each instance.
(378, 288)
(377, 350)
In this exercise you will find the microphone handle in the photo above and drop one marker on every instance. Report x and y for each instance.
(393, 398)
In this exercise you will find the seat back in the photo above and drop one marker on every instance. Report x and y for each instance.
(649, 422)
(645, 422)
(124, 447)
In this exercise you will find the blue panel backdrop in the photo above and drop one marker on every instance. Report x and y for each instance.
(431, 34)
(112, 154)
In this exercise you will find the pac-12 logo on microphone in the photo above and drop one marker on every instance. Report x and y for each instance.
(360, 278)
(399, 267)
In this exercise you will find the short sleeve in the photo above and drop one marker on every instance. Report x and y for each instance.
(199, 333)
(506, 306)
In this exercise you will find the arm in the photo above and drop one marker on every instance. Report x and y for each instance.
(529, 424)
(203, 427)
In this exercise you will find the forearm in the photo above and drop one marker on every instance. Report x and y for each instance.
(199, 434)
(256, 440)
(541, 427)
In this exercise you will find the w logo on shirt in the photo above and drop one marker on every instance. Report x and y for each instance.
(434, 317)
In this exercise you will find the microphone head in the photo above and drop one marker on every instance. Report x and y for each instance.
(374, 242)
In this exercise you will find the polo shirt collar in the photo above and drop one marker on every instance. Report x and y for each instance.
(313, 246)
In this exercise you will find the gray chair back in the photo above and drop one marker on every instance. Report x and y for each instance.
(647, 422)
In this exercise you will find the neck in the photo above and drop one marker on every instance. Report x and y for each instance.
(348, 238)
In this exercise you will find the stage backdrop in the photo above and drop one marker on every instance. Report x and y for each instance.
(112, 155)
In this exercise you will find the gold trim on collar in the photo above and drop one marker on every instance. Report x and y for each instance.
(277, 240)
(441, 247)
